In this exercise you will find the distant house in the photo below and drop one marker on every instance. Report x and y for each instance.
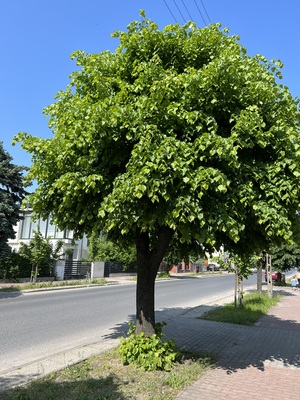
(78, 249)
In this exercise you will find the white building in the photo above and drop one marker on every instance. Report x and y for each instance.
(77, 249)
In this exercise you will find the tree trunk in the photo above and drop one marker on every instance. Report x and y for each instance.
(145, 291)
(148, 261)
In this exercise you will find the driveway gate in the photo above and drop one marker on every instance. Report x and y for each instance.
(76, 269)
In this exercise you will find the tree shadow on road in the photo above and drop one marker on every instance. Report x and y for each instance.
(6, 294)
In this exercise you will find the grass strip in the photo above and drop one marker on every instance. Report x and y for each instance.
(52, 284)
(255, 305)
(105, 377)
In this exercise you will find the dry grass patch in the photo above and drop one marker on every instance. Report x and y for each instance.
(104, 377)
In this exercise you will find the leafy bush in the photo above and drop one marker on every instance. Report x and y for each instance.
(101, 248)
(149, 353)
(13, 266)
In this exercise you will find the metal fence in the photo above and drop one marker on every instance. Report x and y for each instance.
(76, 269)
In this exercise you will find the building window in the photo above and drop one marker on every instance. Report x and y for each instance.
(46, 228)
(26, 225)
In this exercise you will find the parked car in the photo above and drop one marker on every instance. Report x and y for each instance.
(275, 276)
(213, 266)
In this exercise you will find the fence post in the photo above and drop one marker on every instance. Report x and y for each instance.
(97, 270)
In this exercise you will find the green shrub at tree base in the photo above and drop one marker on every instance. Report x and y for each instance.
(149, 353)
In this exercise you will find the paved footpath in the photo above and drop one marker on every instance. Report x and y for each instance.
(255, 362)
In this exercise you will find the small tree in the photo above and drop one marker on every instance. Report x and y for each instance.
(242, 268)
(41, 253)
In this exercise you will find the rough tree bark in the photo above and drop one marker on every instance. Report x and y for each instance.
(148, 260)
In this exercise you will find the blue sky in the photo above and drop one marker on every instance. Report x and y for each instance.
(38, 36)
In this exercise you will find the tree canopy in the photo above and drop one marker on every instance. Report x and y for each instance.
(285, 257)
(12, 193)
(176, 136)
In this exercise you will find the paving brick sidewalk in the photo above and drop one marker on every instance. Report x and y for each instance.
(256, 362)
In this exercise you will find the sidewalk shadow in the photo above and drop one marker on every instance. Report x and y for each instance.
(273, 341)
(237, 346)
(276, 344)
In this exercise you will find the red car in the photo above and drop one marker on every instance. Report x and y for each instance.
(275, 276)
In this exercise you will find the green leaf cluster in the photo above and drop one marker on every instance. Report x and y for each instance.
(149, 353)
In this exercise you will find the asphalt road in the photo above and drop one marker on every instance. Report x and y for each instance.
(38, 324)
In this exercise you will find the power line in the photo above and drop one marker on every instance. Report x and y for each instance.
(179, 11)
(170, 11)
(200, 12)
(187, 9)
(203, 17)
(205, 11)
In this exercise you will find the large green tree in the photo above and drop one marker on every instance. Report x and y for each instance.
(12, 193)
(177, 135)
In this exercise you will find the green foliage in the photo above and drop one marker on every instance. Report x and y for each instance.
(242, 264)
(102, 249)
(12, 193)
(163, 274)
(13, 266)
(224, 264)
(41, 253)
(149, 353)
(285, 257)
